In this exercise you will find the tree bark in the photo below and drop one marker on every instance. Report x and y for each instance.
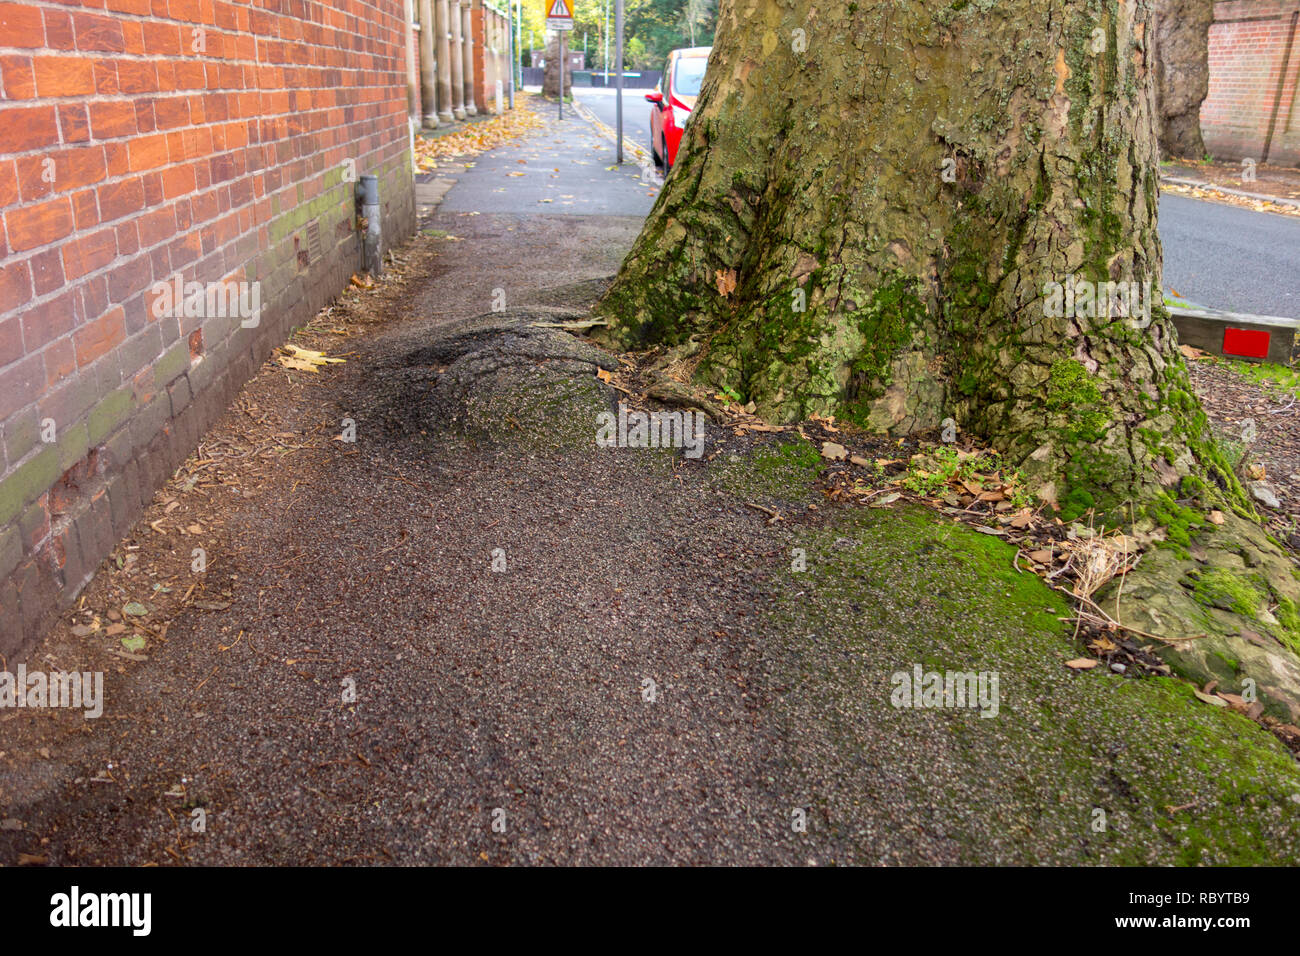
(871, 205)
(551, 72)
(1182, 38)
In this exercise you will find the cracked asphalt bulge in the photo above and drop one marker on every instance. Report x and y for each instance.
(521, 695)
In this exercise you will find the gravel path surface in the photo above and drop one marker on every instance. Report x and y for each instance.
(639, 680)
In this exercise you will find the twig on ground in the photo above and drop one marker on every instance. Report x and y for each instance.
(773, 516)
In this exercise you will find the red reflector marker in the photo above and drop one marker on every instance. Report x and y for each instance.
(1250, 343)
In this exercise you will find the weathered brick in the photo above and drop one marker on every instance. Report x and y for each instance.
(63, 76)
(47, 271)
(34, 524)
(75, 563)
(19, 80)
(100, 336)
(81, 256)
(112, 119)
(21, 25)
(36, 594)
(95, 527)
(111, 411)
(60, 362)
(11, 550)
(74, 123)
(74, 442)
(21, 384)
(179, 393)
(123, 497)
(27, 482)
(70, 401)
(94, 32)
(150, 420)
(20, 434)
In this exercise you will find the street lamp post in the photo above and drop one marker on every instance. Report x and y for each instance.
(510, 46)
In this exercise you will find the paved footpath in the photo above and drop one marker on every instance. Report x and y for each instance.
(351, 681)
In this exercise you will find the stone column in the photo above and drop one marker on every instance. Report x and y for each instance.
(457, 62)
(428, 90)
(440, 29)
(467, 36)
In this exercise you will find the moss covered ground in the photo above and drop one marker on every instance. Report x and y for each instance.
(1076, 766)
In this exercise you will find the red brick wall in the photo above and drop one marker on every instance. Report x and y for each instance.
(491, 57)
(1251, 109)
(141, 139)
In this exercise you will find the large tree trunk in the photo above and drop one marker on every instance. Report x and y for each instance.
(913, 176)
(1182, 38)
(551, 72)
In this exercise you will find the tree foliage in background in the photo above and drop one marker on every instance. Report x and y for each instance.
(651, 29)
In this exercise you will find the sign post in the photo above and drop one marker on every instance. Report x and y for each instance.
(559, 16)
(618, 65)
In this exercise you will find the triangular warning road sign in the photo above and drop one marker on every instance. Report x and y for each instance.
(560, 9)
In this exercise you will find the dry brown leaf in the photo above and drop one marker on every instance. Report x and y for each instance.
(1082, 663)
(726, 282)
(834, 451)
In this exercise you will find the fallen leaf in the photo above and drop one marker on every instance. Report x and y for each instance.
(1082, 663)
(603, 375)
(726, 282)
(305, 360)
(834, 451)
(1210, 698)
(135, 643)
(135, 609)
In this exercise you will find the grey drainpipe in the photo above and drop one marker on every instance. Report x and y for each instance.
(368, 198)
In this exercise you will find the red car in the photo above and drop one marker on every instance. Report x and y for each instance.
(673, 100)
